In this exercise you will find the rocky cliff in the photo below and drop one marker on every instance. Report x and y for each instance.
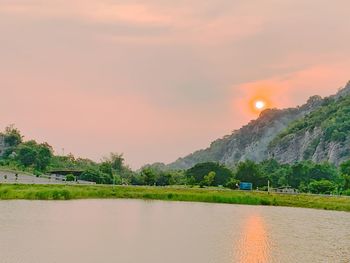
(322, 135)
(275, 134)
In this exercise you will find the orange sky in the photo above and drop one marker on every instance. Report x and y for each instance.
(159, 79)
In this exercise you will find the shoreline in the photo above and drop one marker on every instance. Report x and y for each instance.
(71, 192)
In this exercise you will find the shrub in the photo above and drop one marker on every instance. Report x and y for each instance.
(70, 178)
(322, 187)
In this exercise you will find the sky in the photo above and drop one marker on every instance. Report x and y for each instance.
(159, 79)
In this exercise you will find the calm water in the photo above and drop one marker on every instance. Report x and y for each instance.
(99, 231)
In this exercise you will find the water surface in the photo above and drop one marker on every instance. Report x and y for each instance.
(94, 231)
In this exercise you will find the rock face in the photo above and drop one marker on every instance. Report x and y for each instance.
(311, 143)
(311, 146)
(253, 141)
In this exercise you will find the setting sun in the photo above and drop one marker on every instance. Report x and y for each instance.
(260, 104)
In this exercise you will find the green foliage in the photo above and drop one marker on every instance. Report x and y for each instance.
(232, 184)
(12, 136)
(106, 167)
(280, 176)
(208, 179)
(322, 187)
(116, 162)
(345, 167)
(115, 166)
(322, 171)
(345, 182)
(305, 176)
(199, 171)
(333, 117)
(300, 172)
(149, 176)
(35, 155)
(251, 172)
(95, 175)
(69, 162)
(70, 178)
(152, 176)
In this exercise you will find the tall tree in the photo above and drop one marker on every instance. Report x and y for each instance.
(12, 136)
(251, 172)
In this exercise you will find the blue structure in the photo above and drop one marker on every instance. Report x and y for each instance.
(245, 186)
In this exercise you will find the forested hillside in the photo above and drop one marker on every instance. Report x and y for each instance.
(323, 135)
(319, 131)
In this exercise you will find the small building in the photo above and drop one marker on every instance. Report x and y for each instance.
(245, 186)
(285, 190)
(61, 174)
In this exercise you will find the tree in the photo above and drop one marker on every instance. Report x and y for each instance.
(345, 167)
(280, 176)
(346, 181)
(163, 178)
(232, 184)
(12, 136)
(95, 175)
(117, 161)
(106, 167)
(70, 178)
(26, 154)
(269, 166)
(35, 155)
(322, 187)
(251, 172)
(300, 172)
(209, 179)
(199, 171)
(44, 156)
(322, 171)
(149, 176)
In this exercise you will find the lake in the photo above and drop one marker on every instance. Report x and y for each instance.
(134, 231)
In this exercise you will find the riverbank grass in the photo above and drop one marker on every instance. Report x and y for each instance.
(68, 192)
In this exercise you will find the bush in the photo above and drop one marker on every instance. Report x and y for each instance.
(196, 174)
(322, 187)
(95, 175)
(70, 178)
(232, 184)
(251, 172)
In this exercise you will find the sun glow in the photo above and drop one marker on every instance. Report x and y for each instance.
(259, 105)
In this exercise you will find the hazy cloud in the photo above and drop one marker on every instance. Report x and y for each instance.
(159, 79)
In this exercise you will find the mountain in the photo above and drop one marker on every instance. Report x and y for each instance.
(318, 130)
(322, 135)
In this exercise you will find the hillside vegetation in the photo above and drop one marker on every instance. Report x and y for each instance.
(322, 135)
(318, 130)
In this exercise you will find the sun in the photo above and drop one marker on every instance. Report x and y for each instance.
(259, 104)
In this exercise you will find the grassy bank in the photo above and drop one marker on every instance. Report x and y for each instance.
(67, 192)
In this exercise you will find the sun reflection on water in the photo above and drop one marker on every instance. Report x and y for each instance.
(254, 244)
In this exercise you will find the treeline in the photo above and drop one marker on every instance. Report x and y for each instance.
(39, 158)
(306, 176)
(25, 155)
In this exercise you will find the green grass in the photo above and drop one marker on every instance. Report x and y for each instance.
(68, 192)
